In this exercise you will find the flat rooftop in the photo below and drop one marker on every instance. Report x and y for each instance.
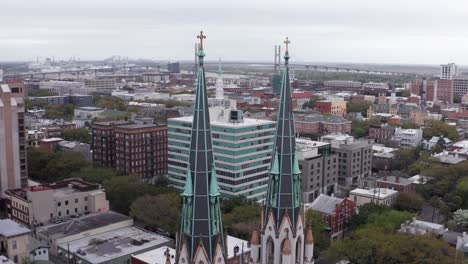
(248, 122)
(82, 224)
(380, 193)
(114, 244)
(9, 228)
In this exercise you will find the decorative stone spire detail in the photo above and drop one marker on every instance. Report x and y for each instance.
(201, 225)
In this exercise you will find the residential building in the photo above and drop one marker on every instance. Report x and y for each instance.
(241, 146)
(375, 88)
(448, 71)
(14, 240)
(34, 137)
(88, 112)
(418, 227)
(354, 157)
(133, 148)
(396, 183)
(407, 138)
(322, 124)
(382, 196)
(335, 211)
(54, 202)
(319, 166)
(13, 168)
(381, 133)
(382, 157)
(334, 107)
(445, 90)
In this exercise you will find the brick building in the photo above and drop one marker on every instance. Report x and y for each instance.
(334, 107)
(335, 211)
(381, 133)
(134, 148)
(322, 124)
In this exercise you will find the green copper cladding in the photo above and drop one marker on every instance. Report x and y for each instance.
(201, 216)
(284, 188)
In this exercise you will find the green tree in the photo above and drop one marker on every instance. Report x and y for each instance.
(361, 128)
(440, 128)
(405, 93)
(320, 230)
(160, 211)
(373, 246)
(388, 221)
(40, 92)
(122, 191)
(63, 164)
(355, 107)
(95, 174)
(110, 102)
(408, 201)
(38, 159)
(365, 211)
(242, 220)
(462, 190)
(78, 134)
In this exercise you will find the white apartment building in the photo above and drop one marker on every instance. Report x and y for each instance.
(242, 150)
(55, 202)
(408, 138)
(382, 196)
(448, 71)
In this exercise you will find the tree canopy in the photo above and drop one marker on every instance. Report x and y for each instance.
(78, 134)
(439, 128)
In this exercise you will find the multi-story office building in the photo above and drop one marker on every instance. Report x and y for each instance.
(460, 86)
(448, 71)
(57, 201)
(319, 166)
(97, 84)
(242, 148)
(354, 157)
(62, 87)
(13, 168)
(134, 148)
(407, 138)
(343, 85)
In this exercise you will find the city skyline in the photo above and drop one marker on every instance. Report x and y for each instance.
(390, 32)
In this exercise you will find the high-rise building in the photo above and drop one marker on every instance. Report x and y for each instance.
(354, 158)
(13, 168)
(134, 148)
(460, 86)
(201, 238)
(448, 71)
(283, 237)
(241, 146)
(319, 166)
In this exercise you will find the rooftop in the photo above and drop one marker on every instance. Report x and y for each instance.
(9, 228)
(380, 193)
(248, 122)
(324, 204)
(326, 119)
(90, 108)
(113, 244)
(82, 224)
(395, 180)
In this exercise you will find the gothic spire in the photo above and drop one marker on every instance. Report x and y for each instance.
(284, 191)
(201, 215)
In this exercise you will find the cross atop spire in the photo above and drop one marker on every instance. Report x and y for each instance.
(201, 37)
(287, 41)
(286, 54)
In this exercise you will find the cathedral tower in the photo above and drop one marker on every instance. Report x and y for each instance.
(201, 238)
(282, 234)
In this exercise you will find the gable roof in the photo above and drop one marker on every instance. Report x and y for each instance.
(324, 204)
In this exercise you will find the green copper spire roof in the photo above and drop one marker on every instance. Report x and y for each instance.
(284, 188)
(201, 216)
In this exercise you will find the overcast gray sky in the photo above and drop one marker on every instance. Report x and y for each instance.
(379, 31)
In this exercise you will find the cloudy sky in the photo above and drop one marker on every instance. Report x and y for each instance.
(375, 31)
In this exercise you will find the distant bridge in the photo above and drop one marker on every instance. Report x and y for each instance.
(308, 68)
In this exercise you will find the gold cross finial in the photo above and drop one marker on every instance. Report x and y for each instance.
(287, 43)
(201, 37)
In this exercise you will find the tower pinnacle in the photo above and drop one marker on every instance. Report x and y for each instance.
(286, 53)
